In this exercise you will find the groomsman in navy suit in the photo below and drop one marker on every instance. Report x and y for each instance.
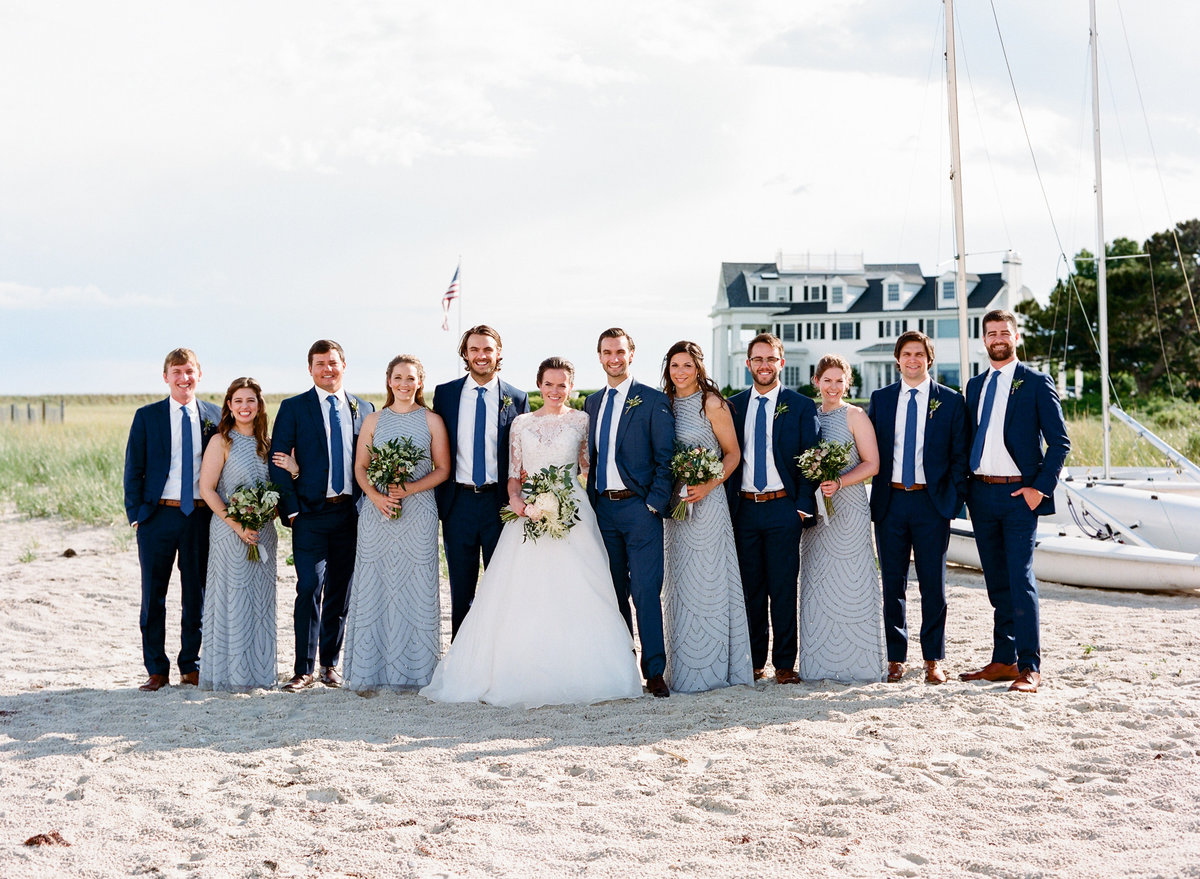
(630, 444)
(162, 501)
(478, 410)
(319, 428)
(769, 500)
(1013, 409)
(921, 428)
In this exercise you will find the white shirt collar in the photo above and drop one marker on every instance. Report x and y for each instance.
(772, 395)
(493, 384)
(323, 395)
(923, 389)
(1007, 369)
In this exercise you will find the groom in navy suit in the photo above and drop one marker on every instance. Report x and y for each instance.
(631, 440)
(162, 501)
(921, 484)
(319, 428)
(1013, 409)
(769, 500)
(478, 410)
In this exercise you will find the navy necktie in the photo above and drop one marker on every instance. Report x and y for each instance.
(989, 398)
(478, 460)
(337, 457)
(187, 497)
(908, 462)
(602, 442)
(760, 445)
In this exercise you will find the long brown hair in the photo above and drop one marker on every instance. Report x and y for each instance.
(419, 397)
(261, 439)
(707, 385)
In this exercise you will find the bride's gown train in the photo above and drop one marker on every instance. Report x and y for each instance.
(544, 628)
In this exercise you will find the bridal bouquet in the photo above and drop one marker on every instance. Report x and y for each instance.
(253, 506)
(550, 507)
(393, 463)
(825, 462)
(692, 466)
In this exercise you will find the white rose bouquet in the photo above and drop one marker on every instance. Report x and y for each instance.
(550, 508)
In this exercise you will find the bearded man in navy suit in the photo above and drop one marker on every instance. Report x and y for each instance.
(1013, 410)
(921, 428)
(162, 501)
(478, 410)
(319, 428)
(769, 500)
(631, 439)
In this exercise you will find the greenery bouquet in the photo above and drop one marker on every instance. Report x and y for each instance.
(692, 466)
(393, 463)
(825, 462)
(253, 506)
(550, 506)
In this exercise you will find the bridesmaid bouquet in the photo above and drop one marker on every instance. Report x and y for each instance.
(825, 462)
(692, 466)
(393, 463)
(550, 507)
(253, 506)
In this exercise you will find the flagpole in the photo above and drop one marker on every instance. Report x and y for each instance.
(460, 289)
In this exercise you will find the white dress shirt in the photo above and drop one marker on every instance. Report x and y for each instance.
(173, 487)
(902, 423)
(613, 476)
(995, 459)
(346, 415)
(464, 460)
(774, 481)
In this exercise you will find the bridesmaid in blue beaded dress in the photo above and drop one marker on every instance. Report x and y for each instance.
(704, 608)
(239, 600)
(841, 600)
(393, 626)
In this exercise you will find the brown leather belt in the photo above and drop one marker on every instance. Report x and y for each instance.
(916, 486)
(337, 499)
(617, 494)
(477, 489)
(168, 502)
(759, 496)
(997, 480)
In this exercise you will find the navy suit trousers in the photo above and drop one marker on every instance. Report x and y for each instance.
(323, 547)
(169, 534)
(472, 528)
(913, 527)
(1005, 533)
(633, 537)
(767, 536)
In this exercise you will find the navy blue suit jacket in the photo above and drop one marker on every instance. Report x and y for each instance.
(300, 425)
(645, 444)
(794, 430)
(446, 398)
(148, 454)
(1033, 415)
(946, 448)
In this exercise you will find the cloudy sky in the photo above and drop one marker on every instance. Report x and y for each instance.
(242, 178)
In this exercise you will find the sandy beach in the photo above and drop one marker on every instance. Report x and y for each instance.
(1096, 775)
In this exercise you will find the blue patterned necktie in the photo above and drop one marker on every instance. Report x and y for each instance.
(337, 457)
(909, 460)
(602, 442)
(760, 445)
(187, 497)
(478, 460)
(989, 398)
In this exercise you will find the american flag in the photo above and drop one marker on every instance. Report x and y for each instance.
(448, 297)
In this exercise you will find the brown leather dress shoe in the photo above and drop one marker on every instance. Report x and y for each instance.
(330, 676)
(993, 671)
(933, 672)
(154, 683)
(786, 676)
(191, 679)
(298, 683)
(1026, 682)
(759, 674)
(658, 687)
(895, 672)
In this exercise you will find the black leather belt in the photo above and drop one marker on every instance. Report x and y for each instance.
(478, 489)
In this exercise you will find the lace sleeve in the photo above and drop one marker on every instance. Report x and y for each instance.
(583, 422)
(515, 465)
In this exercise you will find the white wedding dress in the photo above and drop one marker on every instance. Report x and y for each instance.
(544, 628)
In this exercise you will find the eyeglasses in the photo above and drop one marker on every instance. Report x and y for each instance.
(759, 361)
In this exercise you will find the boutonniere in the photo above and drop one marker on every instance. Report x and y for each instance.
(779, 410)
(1015, 385)
(633, 403)
(208, 425)
(353, 406)
(933, 406)
(505, 401)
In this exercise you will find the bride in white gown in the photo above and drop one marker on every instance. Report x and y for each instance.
(544, 628)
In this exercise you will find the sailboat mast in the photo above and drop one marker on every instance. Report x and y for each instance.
(960, 248)
(1101, 268)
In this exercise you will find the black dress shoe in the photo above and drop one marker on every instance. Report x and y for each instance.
(658, 687)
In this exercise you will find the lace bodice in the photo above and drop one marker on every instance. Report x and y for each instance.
(540, 441)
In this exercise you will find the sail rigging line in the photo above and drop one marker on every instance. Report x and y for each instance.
(1158, 324)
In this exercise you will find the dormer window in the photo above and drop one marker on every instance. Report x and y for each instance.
(893, 292)
(814, 293)
(947, 291)
(837, 294)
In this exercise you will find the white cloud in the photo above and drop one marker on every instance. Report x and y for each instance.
(24, 297)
